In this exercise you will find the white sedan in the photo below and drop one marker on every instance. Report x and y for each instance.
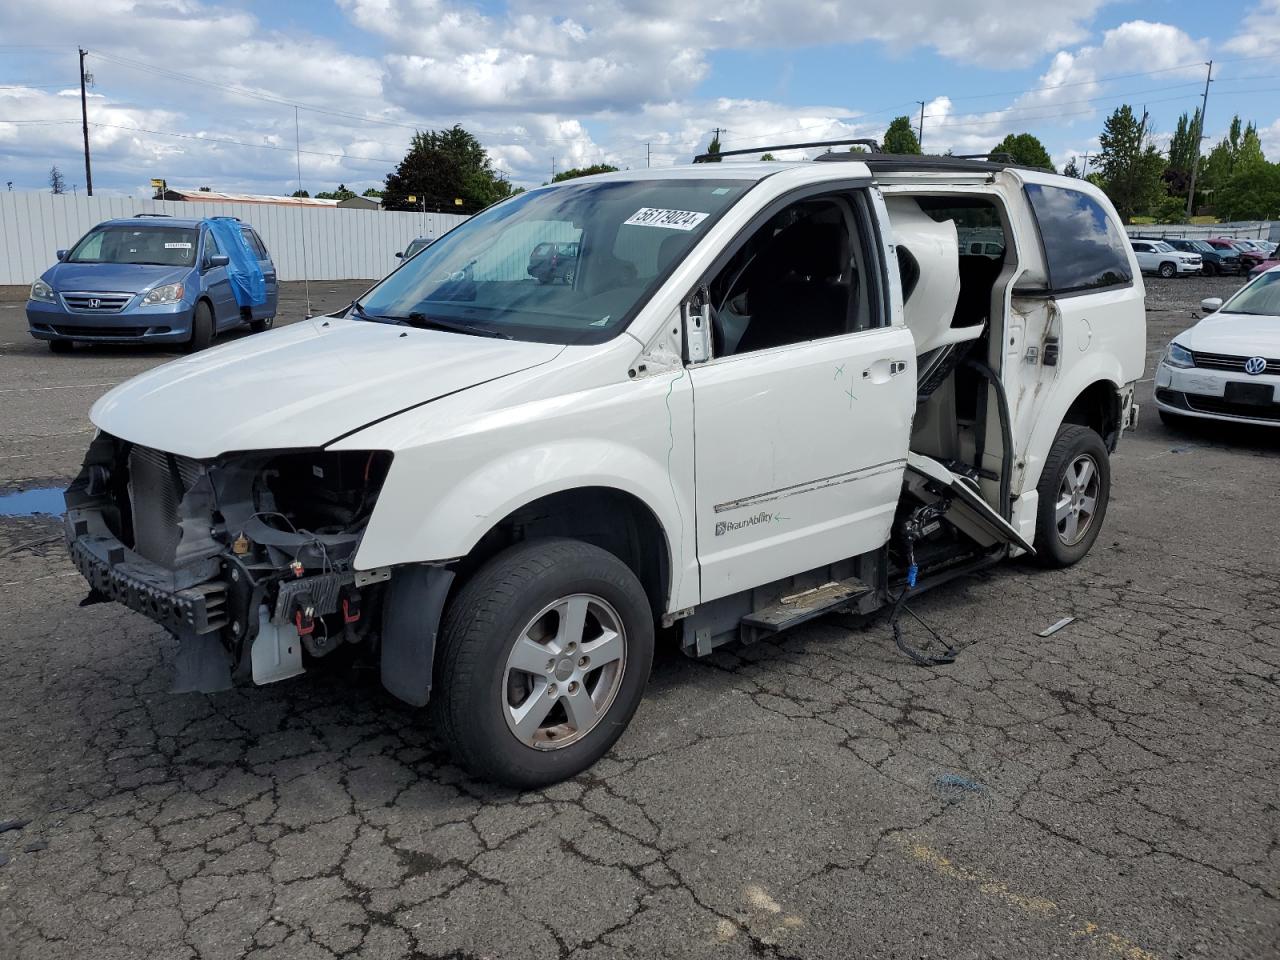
(1227, 367)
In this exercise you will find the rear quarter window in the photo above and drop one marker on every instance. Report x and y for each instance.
(1083, 247)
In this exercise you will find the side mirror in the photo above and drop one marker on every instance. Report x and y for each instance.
(60, 254)
(217, 260)
(696, 317)
(400, 255)
(1211, 304)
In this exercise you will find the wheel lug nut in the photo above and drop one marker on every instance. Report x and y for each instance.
(551, 690)
(570, 647)
(573, 686)
(551, 666)
(583, 661)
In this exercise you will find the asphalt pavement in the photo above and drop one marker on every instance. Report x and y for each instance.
(1109, 792)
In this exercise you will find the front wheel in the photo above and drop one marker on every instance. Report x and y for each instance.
(1209, 270)
(1167, 270)
(1074, 491)
(201, 328)
(544, 658)
(265, 323)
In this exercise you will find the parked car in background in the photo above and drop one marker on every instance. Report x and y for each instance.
(1271, 261)
(1156, 256)
(1214, 262)
(551, 262)
(1249, 257)
(417, 245)
(149, 279)
(1226, 367)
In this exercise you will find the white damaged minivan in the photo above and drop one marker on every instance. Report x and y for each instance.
(760, 392)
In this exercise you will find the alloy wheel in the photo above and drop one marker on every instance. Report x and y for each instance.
(1077, 499)
(564, 671)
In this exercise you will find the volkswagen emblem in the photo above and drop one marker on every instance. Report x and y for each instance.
(95, 303)
(1255, 365)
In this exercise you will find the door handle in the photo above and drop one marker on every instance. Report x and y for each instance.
(883, 369)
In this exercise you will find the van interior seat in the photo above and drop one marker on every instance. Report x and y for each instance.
(802, 288)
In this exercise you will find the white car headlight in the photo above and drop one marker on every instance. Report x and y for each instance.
(1179, 356)
(42, 291)
(169, 293)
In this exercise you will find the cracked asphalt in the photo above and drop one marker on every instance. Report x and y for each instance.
(1110, 792)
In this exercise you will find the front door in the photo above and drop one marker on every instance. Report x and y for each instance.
(218, 283)
(803, 417)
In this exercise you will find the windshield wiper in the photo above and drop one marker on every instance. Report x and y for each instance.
(417, 319)
(360, 311)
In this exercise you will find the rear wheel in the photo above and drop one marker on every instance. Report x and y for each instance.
(265, 323)
(1074, 491)
(1167, 270)
(201, 328)
(544, 658)
(60, 346)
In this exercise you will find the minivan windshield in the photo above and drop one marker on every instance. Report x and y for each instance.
(568, 264)
(118, 243)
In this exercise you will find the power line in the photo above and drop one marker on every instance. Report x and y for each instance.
(239, 143)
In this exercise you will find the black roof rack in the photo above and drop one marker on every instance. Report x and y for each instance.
(969, 163)
(872, 145)
(139, 215)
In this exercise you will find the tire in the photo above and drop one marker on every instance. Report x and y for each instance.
(481, 691)
(568, 277)
(1060, 539)
(60, 346)
(1167, 270)
(201, 328)
(1209, 269)
(259, 326)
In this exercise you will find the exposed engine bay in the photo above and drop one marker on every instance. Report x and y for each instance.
(247, 558)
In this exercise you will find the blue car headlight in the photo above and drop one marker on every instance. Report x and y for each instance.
(169, 293)
(42, 291)
(1179, 356)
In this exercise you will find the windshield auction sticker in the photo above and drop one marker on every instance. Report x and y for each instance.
(177, 246)
(670, 219)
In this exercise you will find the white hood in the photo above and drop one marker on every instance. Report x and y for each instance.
(1236, 334)
(303, 385)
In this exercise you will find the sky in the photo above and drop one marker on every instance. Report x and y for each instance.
(225, 95)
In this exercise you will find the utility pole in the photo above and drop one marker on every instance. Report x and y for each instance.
(1195, 161)
(920, 134)
(646, 156)
(553, 169)
(302, 233)
(84, 123)
(1085, 169)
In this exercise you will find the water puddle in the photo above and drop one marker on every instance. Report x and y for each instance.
(28, 503)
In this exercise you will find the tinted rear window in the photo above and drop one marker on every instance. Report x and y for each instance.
(1083, 247)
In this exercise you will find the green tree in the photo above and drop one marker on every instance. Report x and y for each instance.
(1026, 149)
(442, 166)
(1132, 169)
(1072, 169)
(574, 172)
(57, 182)
(342, 193)
(901, 137)
(373, 192)
(767, 156)
(713, 148)
(206, 189)
(300, 193)
(1252, 192)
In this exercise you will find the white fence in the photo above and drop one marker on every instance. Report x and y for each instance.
(340, 244)
(1244, 230)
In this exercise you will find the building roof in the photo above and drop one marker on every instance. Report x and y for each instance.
(214, 196)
